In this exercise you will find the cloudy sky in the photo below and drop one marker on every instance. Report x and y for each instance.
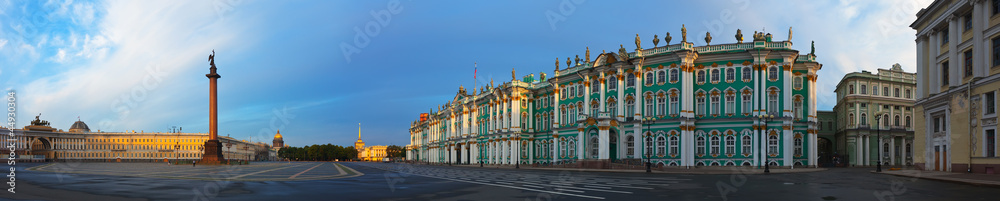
(315, 69)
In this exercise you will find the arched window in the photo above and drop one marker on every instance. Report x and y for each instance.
(674, 145)
(896, 120)
(730, 74)
(772, 73)
(895, 92)
(772, 99)
(612, 108)
(661, 146)
(580, 89)
(797, 110)
(661, 76)
(593, 147)
(563, 115)
(747, 100)
(629, 107)
(715, 145)
(701, 76)
(907, 121)
(649, 144)
(562, 148)
(674, 103)
(885, 120)
(864, 89)
(572, 114)
(747, 145)
(715, 75)
(700, 145)
(851, 117)
(864, 119)
(572, 148)
(798, 83)
(715, 103)
(746, 74)
(874, 90)
(885, 91)
(630, 80)
(673, 75)
(594, 106)
(630, 145)
(572, 91)
(700, 107)
(730, 102)
(850, 89)
(772, 145)
(579, 109)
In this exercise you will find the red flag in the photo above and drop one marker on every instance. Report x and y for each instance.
(474, 72)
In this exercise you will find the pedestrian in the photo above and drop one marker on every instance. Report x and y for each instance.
(194, 163)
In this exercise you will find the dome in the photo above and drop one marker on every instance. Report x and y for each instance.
(79, 126)
(278, 136)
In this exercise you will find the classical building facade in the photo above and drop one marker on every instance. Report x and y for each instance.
(876, 114)
(370, 153)
(826, 140)
(79, 143)
(957, 98)
(704, 101)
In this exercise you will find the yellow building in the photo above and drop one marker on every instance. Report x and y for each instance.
(958, 77)
(372, 153)
(40, 141)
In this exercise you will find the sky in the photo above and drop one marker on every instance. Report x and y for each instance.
(316, 69)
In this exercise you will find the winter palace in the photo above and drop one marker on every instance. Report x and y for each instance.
(737, 104)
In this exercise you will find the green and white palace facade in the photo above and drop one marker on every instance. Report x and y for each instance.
(706, 102)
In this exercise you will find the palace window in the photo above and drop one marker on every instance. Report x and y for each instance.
(674, 104)
(996, 47)
(612, 108)
(772, 145)
(563, 115)
(661, 76)
(864, 119)
(746, 74)
(700, 107)
(995, 7)
(990, 102)
(674, 147)
(798, 145)
(631, 80)
(944, 37)
(747, 145)
(572, 148)
(885, 120)
(907, 93)
(630, 145)
(798, 83)
(730, 145)
(907, 122)
(579, 109)
(700, 145)
(580, 89)
(715, 76)
(944, 73)
(730, 74)
(594, 106)
(595, 86)
(772, 73)
(850, 89)
(991, 143)
(572, 115)
(864, 89)
(661, 146)
(563, 94)
(730, 102)
(715, 104)
(649, 105)
(747, 100)
(968, 21)
(772, 99)
(885, 91)
(798, 107)
(562, 148)
(673, 75)
(896, 120)
(629, 107)
(612, 82)
(715, 145)
(851, 117)
(701, 76)
(968, 63)
(572, 91)
(661, 102)
(895, 92)
(649, 144)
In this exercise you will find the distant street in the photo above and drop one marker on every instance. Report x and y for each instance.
(395, 181)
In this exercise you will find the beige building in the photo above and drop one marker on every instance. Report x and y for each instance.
(43, 142)
(875, 117)
(372, 153)
(958, 54)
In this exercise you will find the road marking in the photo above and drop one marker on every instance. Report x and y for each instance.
(304, 171)
(574, 187)
(263, 171)
(575, 191)
(611, 185)
(509, 186)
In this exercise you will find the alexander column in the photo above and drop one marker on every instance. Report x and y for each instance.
(213, 149)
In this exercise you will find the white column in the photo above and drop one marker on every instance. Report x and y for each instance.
(557, 116)
(515, 116)
(982, 58)
(579, 144)
(603, 93)
(555, 149)
(602, 144)
(892, 150)
(954, 38)
(638, 142)
(621, 98)
(531, 151)
(640, 102)
(586, 97)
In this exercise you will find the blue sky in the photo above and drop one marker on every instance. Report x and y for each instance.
(301, 67)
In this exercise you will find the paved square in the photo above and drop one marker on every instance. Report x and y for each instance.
(276, 171)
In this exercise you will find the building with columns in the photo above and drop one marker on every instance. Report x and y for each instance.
(873, 110)
(79, 143)
(957, 99)
(704, 102)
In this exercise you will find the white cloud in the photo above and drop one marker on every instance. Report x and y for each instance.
(83, 13)
(3, 42)
(110, 78)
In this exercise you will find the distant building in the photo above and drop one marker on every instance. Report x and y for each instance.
(372, 153)
(39, 140)
(826, 131)
(958, 68)
(876, 115)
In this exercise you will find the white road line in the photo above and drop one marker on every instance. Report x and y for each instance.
(516, 187)
(575, 191)
(611, 185)
(589, 186)
(533, 186)
(573, 187)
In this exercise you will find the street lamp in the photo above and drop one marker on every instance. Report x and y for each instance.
(878, 137)
(229, 145)
(765, 118)
(649, 120)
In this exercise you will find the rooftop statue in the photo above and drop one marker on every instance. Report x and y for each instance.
(739, 36)
(684, 34)
(656, 40)
(638, 43)
(708, 38)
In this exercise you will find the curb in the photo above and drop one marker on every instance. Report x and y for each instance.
(721, 172)
(945, 179)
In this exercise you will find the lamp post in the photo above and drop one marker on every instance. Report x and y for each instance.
(229, 145)
(878, 137)
(648, 121)
(765, 118)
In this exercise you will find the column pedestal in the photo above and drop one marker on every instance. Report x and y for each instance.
(213, 153)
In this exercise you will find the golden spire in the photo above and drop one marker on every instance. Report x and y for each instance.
(359, 131)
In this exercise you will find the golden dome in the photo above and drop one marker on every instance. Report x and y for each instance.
(278, 136)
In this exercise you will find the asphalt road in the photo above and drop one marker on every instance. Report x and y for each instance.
(393, 181)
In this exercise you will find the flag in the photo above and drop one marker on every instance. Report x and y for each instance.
(474, 72)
